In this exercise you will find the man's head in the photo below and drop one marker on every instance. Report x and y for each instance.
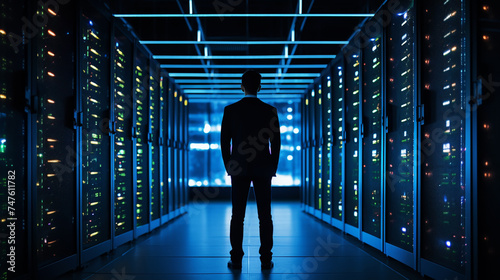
(250, 82)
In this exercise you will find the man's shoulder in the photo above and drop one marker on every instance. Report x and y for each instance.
(269, 107)
(231, 106)
(249, 102)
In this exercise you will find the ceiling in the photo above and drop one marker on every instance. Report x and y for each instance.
(206, 45)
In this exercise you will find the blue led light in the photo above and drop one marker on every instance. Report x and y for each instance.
(242, 66)
(91, 23)
(163, 42)
(324, 56)
(236, 75)
(239, 15)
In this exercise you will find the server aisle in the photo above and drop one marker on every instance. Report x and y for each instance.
(84, 135)
(412, 155)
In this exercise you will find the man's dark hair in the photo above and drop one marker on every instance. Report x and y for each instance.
(251, 81)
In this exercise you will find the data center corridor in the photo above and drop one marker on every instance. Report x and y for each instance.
(111, 118)
(196, 246)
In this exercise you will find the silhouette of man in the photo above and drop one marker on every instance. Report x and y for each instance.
(253, 127)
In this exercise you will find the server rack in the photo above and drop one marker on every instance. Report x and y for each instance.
(122, 112)
(153, 142)
(14, 152)
(53, 143)
(179, 161)
(372, 194)
(95, 144)
(171, 137)
(303, 149)
(428, 186)
(401, 134)
(164, 158)
(484, 104)
(68, 105)
(326, 143)
(338, 138)
(352, 142)
(185, 151)
(141, 143)
(317, 153)
(443, 179)
(310, 178)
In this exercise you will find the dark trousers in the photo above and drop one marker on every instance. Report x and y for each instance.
(262, 191)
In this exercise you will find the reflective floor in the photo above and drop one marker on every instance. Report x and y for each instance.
(196, 246)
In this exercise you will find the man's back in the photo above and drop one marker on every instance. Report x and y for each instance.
(251, 125)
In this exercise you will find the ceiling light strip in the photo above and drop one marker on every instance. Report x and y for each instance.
(238, 81)
(163, 42)
(235, 91)
(204, 98)
(322, 56)
(236, 86)
(238, 75)
(242, 66)
(336, 15)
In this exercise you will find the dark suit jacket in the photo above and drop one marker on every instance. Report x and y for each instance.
(251, 125)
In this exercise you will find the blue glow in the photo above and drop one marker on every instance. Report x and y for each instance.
(236, 75)
(203, 97)
(324, 56)
(238, 81)
(242, 66)
(239, 15)
(237, 86)
(448, 244)
(91, 23)
(244, 42)
(221, 91)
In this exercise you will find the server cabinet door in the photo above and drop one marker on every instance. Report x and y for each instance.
(326, 146)
(352, 144)
(154, 116)
(401, 129)
(487, 136)
(372, 143)
(123, 146)
(171, 150)
(164, 84)
(95, 140)
(318, 184)
(14, 190)
(311, 152)
(179, 149)
(185, 152)
(176, 167)
(337, 144)
(141, 125)
(443, 147)
(303, 163)
(305, 152)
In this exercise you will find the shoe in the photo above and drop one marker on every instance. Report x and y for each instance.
(234, 265)
(267, 265)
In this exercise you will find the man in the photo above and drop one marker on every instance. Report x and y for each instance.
(254, 130)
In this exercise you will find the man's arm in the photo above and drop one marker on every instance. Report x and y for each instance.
(275, 141)
(225, 138)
